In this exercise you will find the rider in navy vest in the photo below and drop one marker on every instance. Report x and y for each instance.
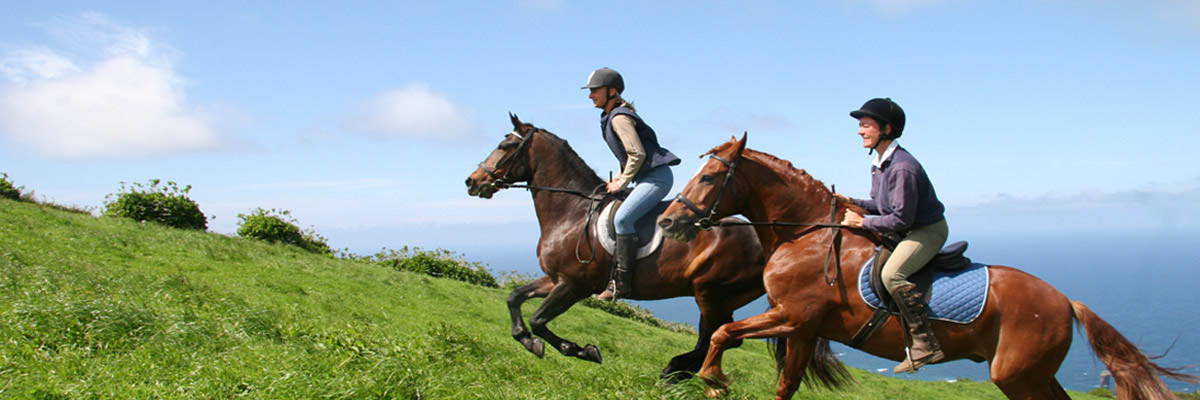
(903, 198)
(644, 163)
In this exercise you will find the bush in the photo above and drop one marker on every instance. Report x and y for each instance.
(7, 190)
(439, 263)
(167, 205)
(277, 226)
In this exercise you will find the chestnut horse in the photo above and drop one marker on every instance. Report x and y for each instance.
(722, 269)
(1023, 332)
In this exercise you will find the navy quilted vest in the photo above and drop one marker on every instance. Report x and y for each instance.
(656, 156)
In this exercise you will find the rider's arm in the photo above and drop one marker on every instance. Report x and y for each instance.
(903, 187)
(636, 155)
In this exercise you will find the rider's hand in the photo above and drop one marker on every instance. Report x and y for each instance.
(853, 219)
(614, 186)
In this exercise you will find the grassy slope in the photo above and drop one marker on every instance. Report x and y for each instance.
(115, 309)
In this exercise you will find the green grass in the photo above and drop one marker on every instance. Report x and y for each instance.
(109, 308)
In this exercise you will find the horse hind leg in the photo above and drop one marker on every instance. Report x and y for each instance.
(560, 299)
(538, 288)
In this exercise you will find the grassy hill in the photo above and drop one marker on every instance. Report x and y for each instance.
(106, 308)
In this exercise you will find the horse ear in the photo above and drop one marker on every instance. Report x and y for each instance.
(515, 121)
(741, 144)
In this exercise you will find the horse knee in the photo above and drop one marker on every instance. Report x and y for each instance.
(538, 325)
(720, 338)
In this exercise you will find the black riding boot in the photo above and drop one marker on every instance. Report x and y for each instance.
(925, 348)
(625, 254)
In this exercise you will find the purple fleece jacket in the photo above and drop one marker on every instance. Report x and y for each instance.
(901, 195)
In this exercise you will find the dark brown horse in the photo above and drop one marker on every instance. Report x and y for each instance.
(722, 269)
(1024, 331)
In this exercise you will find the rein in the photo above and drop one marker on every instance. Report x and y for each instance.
(706, 220)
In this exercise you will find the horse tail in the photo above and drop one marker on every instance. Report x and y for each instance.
(1134, 374)
(823, 366)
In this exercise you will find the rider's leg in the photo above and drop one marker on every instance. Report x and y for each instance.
(917, 248)
(647, 192)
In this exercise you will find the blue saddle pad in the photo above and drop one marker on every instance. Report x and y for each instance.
(955, 296)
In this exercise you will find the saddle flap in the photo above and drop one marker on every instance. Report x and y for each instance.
(645, 226)
(650, 237)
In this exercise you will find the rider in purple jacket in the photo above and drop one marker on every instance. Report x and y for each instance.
(906, 205)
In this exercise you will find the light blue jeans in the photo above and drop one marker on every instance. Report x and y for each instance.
(647, 192)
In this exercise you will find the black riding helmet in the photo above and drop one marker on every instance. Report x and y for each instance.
(605, 77)
(885, 111)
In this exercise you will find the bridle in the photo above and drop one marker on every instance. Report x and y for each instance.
(705, 222)
(502, 181)
(706, 218)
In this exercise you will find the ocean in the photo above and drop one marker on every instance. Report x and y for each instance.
(1143, 283)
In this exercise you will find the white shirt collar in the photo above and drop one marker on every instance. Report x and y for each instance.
(879, 158)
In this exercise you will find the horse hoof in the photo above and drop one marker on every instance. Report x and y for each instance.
(713, 393)
(537, 347)
(674, 377)
(591, 353)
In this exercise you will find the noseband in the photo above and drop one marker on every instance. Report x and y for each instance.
(705, 222)
(502, 181)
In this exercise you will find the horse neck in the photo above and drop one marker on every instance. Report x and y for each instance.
(778, 192)
(552, 163)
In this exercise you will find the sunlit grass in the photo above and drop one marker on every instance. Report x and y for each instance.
(109, 308)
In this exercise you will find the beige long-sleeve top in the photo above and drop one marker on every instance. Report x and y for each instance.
(624, 127)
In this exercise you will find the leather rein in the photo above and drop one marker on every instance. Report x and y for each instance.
(706, 219)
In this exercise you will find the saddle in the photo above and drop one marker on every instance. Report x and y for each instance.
(650, 236)
(950, 258)
(961, 288)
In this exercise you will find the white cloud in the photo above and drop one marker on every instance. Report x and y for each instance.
(414, 112)
(128, 101)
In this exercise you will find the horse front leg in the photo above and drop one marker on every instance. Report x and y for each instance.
(561, 298)
(772, 323)
(538, 288)
(716, 309)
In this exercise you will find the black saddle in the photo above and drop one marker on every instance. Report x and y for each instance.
(950, 258)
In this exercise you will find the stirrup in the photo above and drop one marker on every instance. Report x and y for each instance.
(609, 294)
(912, 365)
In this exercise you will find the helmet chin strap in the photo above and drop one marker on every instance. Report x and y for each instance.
(881, 137)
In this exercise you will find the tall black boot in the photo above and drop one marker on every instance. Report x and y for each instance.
(925, 348)
(625, 254)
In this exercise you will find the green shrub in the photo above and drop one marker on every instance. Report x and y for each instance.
(7, 190)
(439, 263)
(279, 227)
(167, 205)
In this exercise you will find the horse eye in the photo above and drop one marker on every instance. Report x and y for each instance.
(706, 179)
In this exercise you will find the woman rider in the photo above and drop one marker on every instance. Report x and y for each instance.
(906, 204)
(643, 163)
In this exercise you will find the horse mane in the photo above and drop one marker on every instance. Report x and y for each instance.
(574, 163)
(795, 177)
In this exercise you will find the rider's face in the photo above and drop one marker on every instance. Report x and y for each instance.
(868, 128)
(597, 96)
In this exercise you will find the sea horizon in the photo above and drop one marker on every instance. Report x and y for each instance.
(1141, 282)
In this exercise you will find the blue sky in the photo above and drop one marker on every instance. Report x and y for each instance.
(364, 119)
